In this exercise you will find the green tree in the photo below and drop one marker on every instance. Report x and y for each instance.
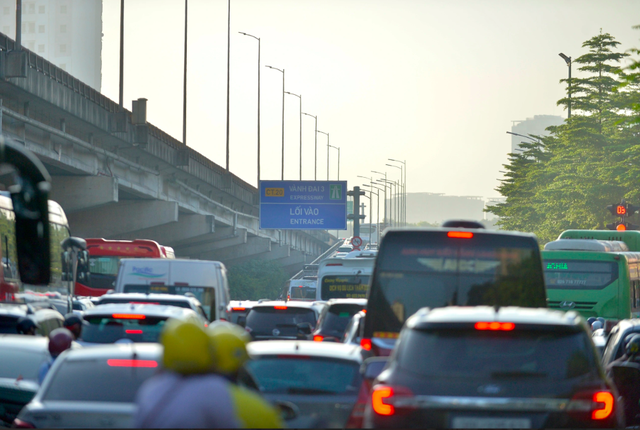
(256, 279)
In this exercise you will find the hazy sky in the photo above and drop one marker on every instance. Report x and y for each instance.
(433, 82)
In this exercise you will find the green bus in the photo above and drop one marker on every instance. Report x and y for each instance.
(630, 237)
(594, 282)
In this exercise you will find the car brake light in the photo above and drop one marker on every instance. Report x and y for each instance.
(385, 400)
(133, 331)
(129, 316)
(604, 402)
(280, 307)
(318, 338)
(20, 424)
(460, 234)
(364, 311)
(115, 362)
(507, 326)
(365, 343)
(238, 309)
(378, 396)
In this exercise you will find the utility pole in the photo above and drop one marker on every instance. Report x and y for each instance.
(356, 217)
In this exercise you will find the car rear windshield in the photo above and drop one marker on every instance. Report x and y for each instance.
(303, 292)
(335, 320)
(430, 269)
(176, 303)
(305, 375)
(267, 320)
(9, 324)
(110, 328)
(579, 275)
(469, 353)
(345, 287)
(21, 364)
(205, 295)
(97, 381)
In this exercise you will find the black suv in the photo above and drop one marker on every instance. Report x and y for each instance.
(486, 367)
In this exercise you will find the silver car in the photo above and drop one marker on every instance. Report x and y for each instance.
(321, 379)
(92, 387)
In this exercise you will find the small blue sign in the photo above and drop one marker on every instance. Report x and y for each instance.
(303, 205)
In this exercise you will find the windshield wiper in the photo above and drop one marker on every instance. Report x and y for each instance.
(518, 374)
(300, 390)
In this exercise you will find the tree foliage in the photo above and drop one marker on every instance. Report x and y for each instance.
(256, 279)
(565, 180)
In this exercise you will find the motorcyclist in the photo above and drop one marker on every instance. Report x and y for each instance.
(73, 322)
(60, 340)
(188, 393)
(26, 326)
(631, 352)
(229, 345)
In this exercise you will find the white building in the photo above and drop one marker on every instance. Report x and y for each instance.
(67, 33)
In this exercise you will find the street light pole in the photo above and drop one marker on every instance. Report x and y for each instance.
(568, 61)
(327, 151)
(228, 71)
(121, 86)
(400, 203)
(378, 200)
(335, 147)
(300, 97)
(385, 196)
(404, 205)
(282, 71)
(370, 205)
(258, 39)
(315, 162)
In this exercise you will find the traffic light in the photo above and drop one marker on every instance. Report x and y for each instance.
(622, 226)
(622, 210)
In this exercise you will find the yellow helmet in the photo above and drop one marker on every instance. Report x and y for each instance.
(187, 349)
(229, 344)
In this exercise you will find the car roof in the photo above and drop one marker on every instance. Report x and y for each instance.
(289, 304)
(150, 296)
(472, 314)
(362, 302)
(24, 342)
(116, 350)
(170, 261)
(145, 309)
(306, 348)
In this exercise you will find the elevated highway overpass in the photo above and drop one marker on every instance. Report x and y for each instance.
(119, 177)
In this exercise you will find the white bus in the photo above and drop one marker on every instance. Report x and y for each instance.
(345, 277)
(302, 289)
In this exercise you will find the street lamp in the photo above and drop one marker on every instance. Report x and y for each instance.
(370, 206)
(568, 61)
(258, 39)
(315, 163)
(399, 202)
(404, 206)
(281, 70)
(300, 97)
(327, 151)
(385, 195)
(377, 193)
(402, 192)
(393, 204)
(335, 147)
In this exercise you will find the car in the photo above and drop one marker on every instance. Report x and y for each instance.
(352, 331)
(47, 319)
(277, 319)
(130, 322)
(21, 357)
(92, 387)
(484, 366)
(185, 301)
(239, 308)
(335, 317)
(618, 335)
(320, 379)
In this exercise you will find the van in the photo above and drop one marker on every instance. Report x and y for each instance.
(302, 289)
(345, 277)
(205, 280)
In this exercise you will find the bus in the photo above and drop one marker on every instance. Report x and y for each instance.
(345, 277)
(58, 229)
(630, 237)
(104, 256)
(593, 277)
(437, 267)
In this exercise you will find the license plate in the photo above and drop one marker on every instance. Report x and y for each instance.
(488, 423)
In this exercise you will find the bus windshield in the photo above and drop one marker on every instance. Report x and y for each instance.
(579, 274)
(430, 269)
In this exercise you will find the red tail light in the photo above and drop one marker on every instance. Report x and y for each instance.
(383, 399)
(114, 362)
(280, 307)
(19, 424)
(238, 309)
(496, 326)
(365, 343)
(318, 338)
(128, 316)
(133, 331)
(357, 413)
(604, 404)
(589, 405)
(460, 234)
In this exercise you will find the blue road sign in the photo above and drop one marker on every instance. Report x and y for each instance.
(303, 205)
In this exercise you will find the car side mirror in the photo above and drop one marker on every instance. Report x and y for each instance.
(242, 321)
(305, 328)
(372, 367)
(30, 198)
